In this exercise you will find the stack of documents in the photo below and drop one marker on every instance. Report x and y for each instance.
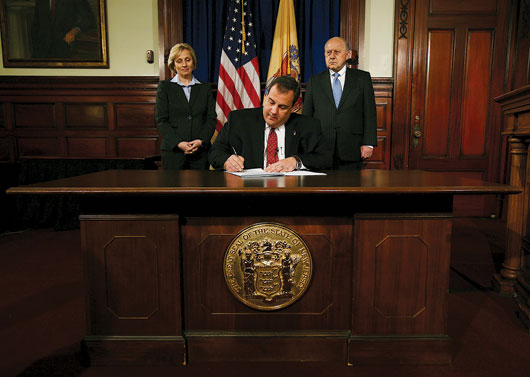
(256, 173)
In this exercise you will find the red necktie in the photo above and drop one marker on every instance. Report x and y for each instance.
(272, 147)
(52, 7)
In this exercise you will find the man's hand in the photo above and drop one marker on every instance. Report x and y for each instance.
(366, 152)
(285, 165)
(70, 36)
(234, 163)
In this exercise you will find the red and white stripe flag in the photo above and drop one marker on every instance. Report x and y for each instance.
(239, 84)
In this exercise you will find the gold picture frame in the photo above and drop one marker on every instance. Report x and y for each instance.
(54, 33)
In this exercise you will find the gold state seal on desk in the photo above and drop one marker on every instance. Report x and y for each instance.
(268, 266)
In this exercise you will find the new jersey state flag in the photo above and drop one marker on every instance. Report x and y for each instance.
(285, 57)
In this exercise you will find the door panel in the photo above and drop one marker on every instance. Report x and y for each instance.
(459, 61)
(475, 6)
(438, 94)
(476, 93)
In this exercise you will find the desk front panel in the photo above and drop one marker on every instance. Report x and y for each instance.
(210, 305)
(379, 280)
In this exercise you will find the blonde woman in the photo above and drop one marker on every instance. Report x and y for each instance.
(185, 113)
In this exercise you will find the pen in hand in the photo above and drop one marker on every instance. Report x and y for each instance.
(235, 154)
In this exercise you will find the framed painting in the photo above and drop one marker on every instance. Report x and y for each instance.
(54, 33)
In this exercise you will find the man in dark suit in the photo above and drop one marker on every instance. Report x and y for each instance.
(56, 24)
(271, 137)
(343, 100)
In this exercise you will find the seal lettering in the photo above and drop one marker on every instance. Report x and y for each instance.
(267, 266)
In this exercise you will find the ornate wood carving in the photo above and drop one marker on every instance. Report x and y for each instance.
(525, 18)
(403, 50)
(403, 18)
(516, 119)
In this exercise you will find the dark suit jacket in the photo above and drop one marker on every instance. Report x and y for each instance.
(354, 123)
(245, 131)
(49, 30)
(179, 120)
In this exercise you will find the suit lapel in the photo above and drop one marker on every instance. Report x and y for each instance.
(258, 137)
(194, 94)
(349, 85)
(290, 136)
(178, 92)
(325, 81)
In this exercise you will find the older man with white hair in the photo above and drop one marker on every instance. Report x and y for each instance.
(343, 100)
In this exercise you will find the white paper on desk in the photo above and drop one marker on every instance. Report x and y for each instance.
(256, 173)
(303, 173)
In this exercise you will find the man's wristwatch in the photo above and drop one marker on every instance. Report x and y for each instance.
(298, 162)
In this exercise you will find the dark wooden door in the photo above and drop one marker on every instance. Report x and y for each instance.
(459, 62)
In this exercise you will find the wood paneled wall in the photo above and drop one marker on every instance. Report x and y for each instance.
(109, 117)
(113, 117)
(88, 117)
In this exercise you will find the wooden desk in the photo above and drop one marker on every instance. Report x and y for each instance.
(155, 242)
(60, 212)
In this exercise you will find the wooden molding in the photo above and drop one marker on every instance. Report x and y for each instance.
(170, 32)
(352, 24)
(85, 83)
(403, 50)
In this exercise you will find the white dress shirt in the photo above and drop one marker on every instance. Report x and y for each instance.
(187, 88)
(280, 134)
(342, 76)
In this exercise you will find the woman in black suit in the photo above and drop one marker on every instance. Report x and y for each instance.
(185, 113)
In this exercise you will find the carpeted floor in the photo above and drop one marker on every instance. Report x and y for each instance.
(42, 317)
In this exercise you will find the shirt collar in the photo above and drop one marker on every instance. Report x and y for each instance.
(194, 81)
(342, 72)
(282, 127)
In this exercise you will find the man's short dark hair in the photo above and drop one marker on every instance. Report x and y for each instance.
(285, 84)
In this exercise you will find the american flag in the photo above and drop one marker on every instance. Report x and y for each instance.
(239, 84)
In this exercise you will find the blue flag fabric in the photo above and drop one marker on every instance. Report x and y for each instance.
(205, 22)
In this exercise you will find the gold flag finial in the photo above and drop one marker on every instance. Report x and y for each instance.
(243, 27)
